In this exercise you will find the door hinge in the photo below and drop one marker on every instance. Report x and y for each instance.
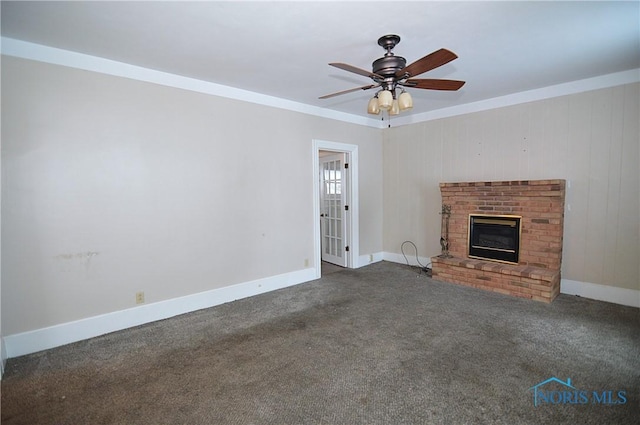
(346, 248)
(346, 207)
(346, 165)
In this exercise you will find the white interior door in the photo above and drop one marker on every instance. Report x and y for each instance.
(333, 209)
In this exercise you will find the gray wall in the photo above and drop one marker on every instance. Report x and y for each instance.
(590, 139)
(112, 186)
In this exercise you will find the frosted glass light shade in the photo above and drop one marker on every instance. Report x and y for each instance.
(395, 109)
(373, 107)
(405, 101)
(385, 99)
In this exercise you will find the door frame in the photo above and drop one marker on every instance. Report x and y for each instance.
(353, 230)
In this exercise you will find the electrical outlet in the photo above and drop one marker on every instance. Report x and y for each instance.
(306, 262)
(139, 297)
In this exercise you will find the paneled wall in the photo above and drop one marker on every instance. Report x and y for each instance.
(589, 139)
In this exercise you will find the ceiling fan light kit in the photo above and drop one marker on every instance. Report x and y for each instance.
(385, 99)
(391, 73)
(405, 101)
(373, 107)
(395, 109)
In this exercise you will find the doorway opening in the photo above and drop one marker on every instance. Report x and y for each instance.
(334, 182)
(335, 206)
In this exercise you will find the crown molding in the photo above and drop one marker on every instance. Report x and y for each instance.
(573, 87)
(52, 55)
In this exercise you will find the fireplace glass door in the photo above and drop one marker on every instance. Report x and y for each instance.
(494, 237)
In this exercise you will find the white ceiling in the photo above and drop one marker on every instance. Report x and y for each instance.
(282, 49)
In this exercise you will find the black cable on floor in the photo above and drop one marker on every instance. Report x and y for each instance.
(422, 267)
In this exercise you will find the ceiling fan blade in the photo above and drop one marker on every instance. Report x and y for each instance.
(427, 63)
(326, 96)
(359, 71)
(431, 84)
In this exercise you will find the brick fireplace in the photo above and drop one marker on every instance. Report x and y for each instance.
(540, 204)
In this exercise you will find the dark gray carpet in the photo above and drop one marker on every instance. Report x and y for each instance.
(378, 345)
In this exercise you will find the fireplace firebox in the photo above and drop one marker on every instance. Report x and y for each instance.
(494, 237)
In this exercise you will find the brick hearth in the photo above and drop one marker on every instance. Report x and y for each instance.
(541, 205)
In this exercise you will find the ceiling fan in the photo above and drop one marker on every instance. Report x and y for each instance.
(391, 71)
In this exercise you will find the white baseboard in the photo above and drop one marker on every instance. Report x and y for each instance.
(3, 356)
(66, 333)
(594, 291)
(365, 260)
(411, 258)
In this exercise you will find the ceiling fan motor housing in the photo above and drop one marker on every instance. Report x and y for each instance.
(388, 65)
